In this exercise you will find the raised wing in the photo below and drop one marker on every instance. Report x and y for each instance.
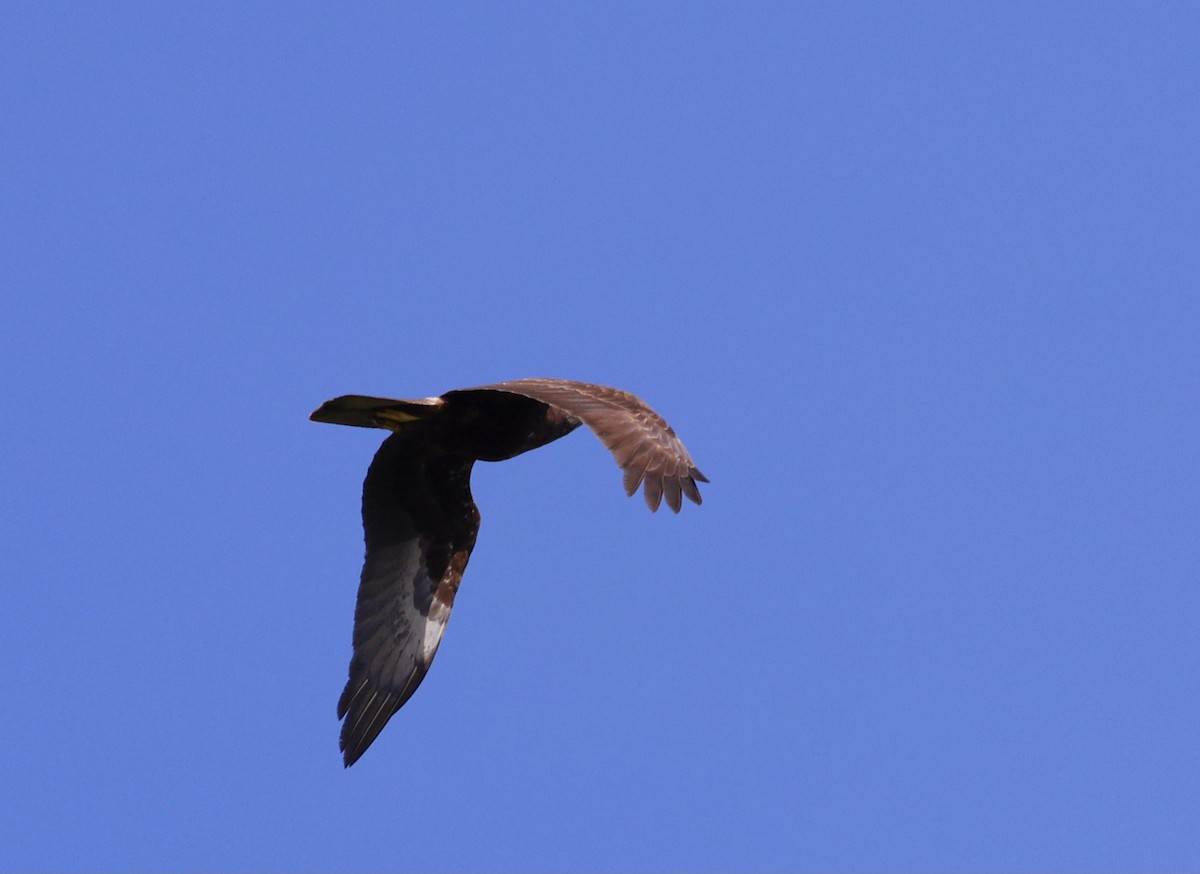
(641, 441)
(419, 524)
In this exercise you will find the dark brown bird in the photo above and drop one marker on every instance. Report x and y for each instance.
(420, 522)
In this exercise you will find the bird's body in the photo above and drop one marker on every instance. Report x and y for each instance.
(420, 521)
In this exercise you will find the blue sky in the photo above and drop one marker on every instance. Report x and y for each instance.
(916, 283)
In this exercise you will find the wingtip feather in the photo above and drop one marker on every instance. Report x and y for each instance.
(673, 493)
(653, 491)
(632, 479)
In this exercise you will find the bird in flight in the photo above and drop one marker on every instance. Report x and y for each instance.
(420, 522)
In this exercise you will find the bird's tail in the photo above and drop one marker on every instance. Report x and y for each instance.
(366, 412)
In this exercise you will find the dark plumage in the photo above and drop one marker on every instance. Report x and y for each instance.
(420, 522)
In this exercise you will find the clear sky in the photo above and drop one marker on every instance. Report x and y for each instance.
(917, 283)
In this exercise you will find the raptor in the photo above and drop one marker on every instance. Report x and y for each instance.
(420, 521)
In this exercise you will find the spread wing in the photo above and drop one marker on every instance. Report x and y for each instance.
(641, 441)
(419, 530)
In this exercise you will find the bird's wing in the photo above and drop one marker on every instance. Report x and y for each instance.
(641, 441)
(419, 532)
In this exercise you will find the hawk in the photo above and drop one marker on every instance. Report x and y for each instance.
(420, 522)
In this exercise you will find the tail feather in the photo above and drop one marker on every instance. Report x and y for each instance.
(367, 412)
